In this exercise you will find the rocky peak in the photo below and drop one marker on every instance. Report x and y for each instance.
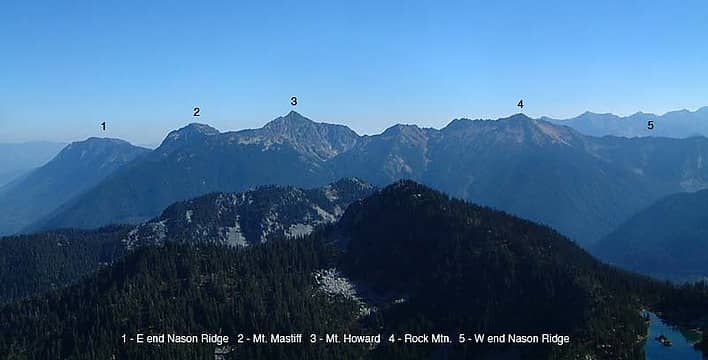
(251, 217)
(407, 133)
(290, 122)
(520, 128)
(189, 134)
(321, 140)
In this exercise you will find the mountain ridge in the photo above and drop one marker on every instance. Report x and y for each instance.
(76, 168)
(514, 163)
(666, 239)
(36, 263)
(251, 217)
(676, 124)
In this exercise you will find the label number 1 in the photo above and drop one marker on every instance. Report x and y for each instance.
(103, 126)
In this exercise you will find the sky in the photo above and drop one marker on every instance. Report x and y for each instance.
(142, 66)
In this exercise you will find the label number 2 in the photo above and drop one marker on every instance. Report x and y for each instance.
(196, 111)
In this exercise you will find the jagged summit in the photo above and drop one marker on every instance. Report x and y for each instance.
(462, 123)
(515, 129)
(402, 129)
(409, 133)
(321, 140)
(294, 122)
(188, 134)
(197, 128)
(517, 117)
(292, 118)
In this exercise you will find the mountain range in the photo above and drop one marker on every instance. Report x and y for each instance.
(404, 259)
(306, 226)
(77, 168)
(583, 186)
(675, 124)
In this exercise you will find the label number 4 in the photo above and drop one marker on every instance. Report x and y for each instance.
(520, 104)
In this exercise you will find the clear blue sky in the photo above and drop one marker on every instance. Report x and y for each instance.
(142, 65)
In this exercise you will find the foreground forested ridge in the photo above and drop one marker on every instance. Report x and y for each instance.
(428, 264)
(186, 291)
(32, 264)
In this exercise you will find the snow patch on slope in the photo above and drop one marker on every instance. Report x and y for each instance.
(298, 230)
(333, 283)
(234, 236)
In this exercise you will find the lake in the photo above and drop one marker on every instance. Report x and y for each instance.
(681, 349)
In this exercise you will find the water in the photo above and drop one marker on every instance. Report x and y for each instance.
(681, 349)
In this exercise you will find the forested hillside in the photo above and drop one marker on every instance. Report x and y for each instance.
(187, 291)
(417, 261)
(31, 264)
